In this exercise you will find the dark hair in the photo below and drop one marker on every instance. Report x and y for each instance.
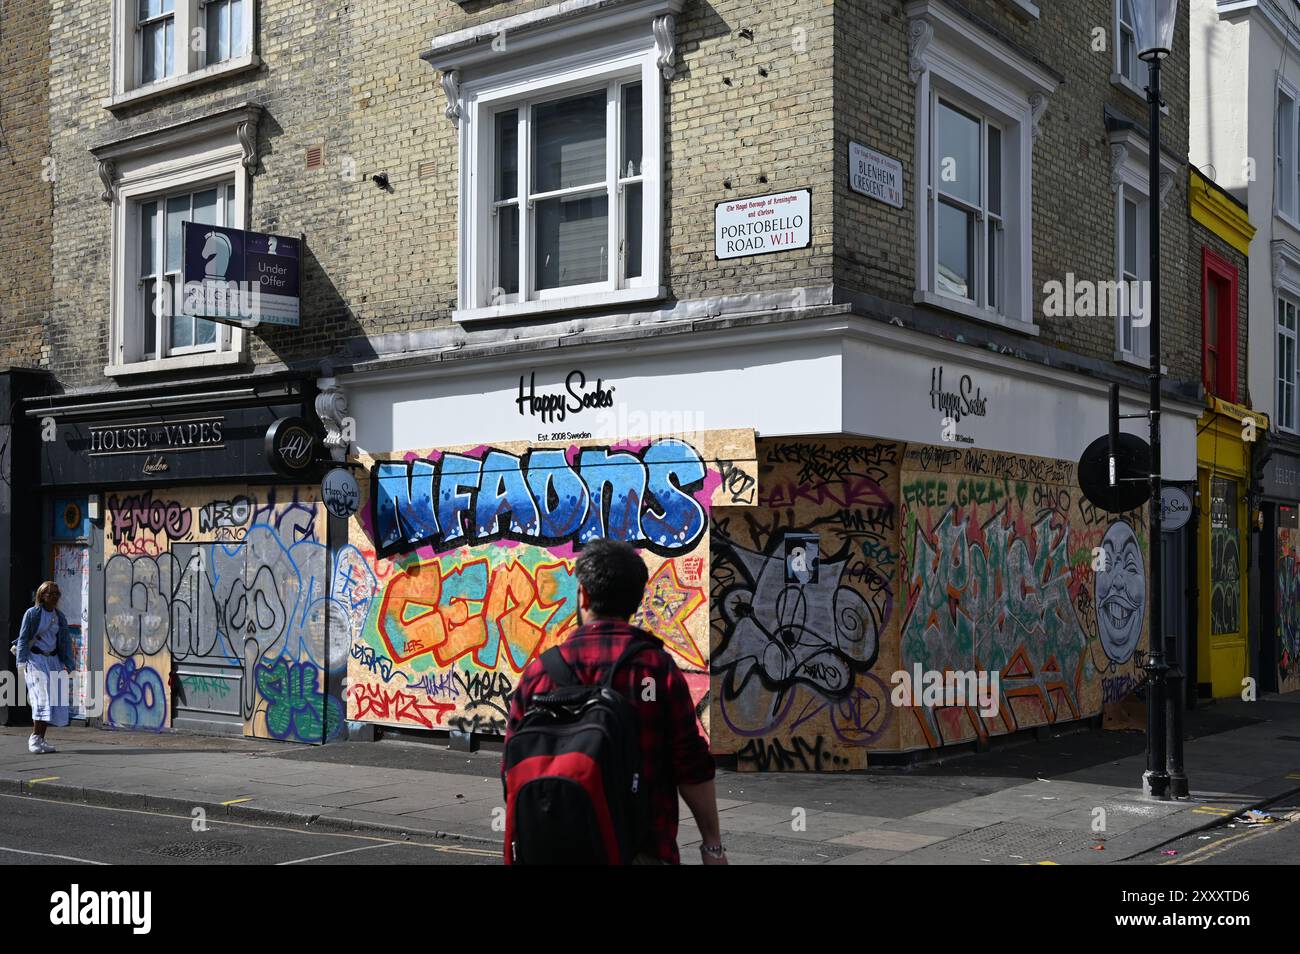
(614, 576)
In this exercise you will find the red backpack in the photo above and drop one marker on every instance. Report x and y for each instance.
(571, 772)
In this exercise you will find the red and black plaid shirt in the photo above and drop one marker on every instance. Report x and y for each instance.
(673, 751)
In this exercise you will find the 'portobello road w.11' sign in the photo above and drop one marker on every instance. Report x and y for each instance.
(765, 223)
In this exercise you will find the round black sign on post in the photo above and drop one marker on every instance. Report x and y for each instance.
(291, 447)
(1133, 467)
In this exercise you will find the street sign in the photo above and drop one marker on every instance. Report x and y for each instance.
(1133, 460)
(875, 175)
(762, 224)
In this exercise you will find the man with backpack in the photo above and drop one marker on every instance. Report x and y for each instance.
(602, 737)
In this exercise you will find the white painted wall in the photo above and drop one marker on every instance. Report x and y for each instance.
(1238, 50)
(843, 376)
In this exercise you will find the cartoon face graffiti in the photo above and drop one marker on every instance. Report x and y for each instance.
(1121, 593)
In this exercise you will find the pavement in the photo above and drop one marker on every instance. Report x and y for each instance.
(1071, 797)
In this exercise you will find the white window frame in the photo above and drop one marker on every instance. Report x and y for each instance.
(1130, 176)
(634, 61)
(955, 57)
(1137, 83)
(1286, 128)
(1140, 353)
(989, 224)
(143, 305)
(1286, 416)
(183, 158)
(190, 66)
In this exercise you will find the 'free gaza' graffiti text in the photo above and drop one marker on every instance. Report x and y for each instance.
(545, 496)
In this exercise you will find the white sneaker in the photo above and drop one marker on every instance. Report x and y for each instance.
(46, 748)
(36, 745)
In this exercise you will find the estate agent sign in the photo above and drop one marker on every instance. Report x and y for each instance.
(238, 277)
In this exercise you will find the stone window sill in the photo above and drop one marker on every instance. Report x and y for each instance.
(242, 64)
(184, 362)
(969, 310)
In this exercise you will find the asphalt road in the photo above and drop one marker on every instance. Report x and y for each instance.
(37, 831)
(1237, 843)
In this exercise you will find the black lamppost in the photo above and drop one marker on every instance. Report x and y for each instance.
(1154, 27)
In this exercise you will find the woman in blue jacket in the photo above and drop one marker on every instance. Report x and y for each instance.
(45, 650)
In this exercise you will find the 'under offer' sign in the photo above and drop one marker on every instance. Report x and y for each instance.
(763, 224)
(875, 175)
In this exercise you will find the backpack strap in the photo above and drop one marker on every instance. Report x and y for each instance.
(558, 669)
(637, 644)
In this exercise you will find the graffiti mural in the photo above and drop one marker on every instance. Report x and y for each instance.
(469, 555)
(1225, 580)
(1120, 597)
(1288, 609)
(223, 603)
(1009, 570)
(804, 597)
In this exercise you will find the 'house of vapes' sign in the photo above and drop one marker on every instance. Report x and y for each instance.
(239, 277)
(763, 224)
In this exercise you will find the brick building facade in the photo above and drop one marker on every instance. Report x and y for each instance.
(799, 263)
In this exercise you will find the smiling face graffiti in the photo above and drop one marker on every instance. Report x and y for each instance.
(1121, 592)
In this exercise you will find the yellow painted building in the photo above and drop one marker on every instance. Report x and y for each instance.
(1227, 434)
(1223, 450)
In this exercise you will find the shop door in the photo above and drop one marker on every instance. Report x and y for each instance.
(1225, 614)
(1174, 606)
(209, 673)
(71, 571)
(1286, 602)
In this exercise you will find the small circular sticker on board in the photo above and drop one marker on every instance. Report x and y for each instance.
(340, 492)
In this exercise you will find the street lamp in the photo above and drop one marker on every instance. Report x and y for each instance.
(1154, 27)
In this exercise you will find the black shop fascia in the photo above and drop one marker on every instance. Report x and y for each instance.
(256, 434)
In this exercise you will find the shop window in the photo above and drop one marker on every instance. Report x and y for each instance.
(1225, 557)
(978, 108)
(1288, 517)
(1286, 364)
(159, 45)
(1219, 325)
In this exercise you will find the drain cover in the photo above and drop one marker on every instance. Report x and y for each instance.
(196, 849)
(1007, 838)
